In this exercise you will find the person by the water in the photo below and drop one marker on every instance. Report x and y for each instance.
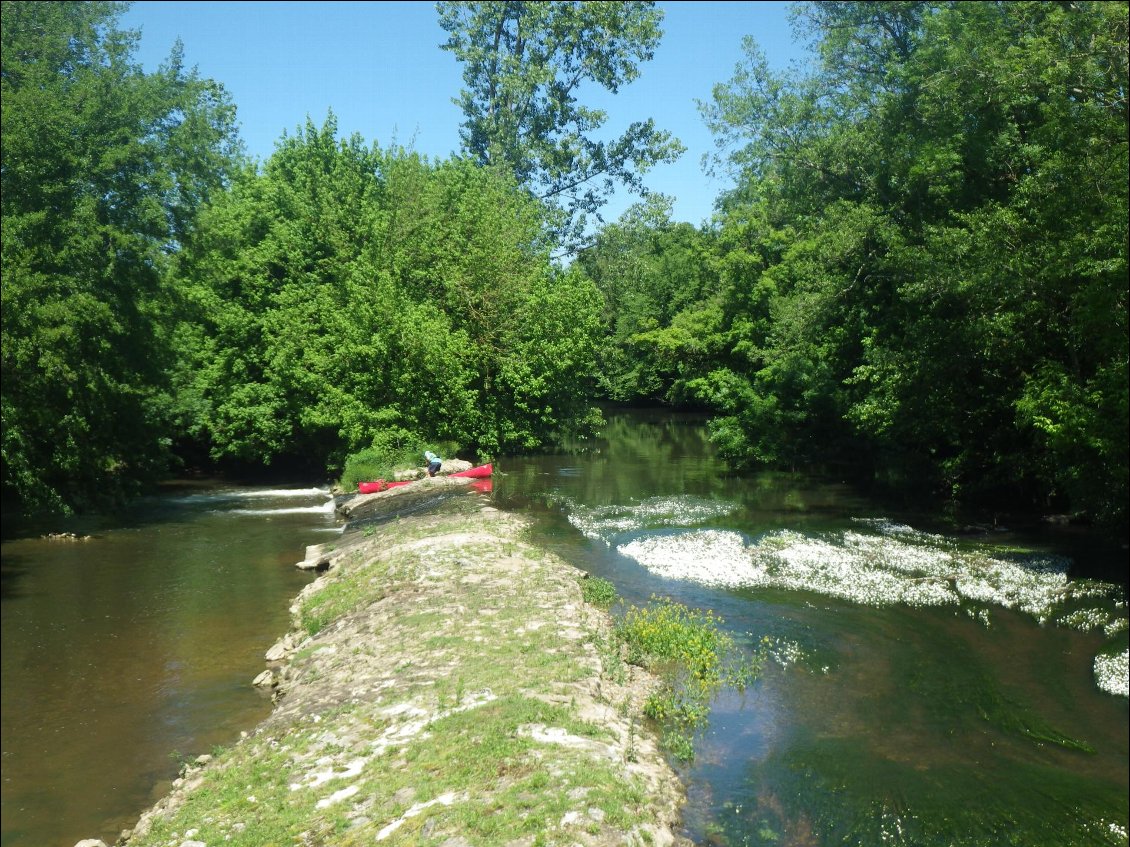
(434, 462)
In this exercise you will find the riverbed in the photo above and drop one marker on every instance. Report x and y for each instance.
(923, 686)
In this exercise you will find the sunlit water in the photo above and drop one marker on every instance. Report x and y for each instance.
(923, 688)
(131, 649)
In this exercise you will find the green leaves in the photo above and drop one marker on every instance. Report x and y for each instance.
(103, 170)
(525, 67)
(347, 293)
(925, 250)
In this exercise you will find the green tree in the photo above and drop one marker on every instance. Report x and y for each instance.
(934, 226)
(650, 269)
(525, 67)
(103, 170)
(349, 296)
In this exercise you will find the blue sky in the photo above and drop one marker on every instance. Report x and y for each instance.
(378, 65)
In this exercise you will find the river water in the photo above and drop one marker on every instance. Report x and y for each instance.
(125, 652)
(920, 688)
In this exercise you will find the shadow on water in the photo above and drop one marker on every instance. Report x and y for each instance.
(967, 715)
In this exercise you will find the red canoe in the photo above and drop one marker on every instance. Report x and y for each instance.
(481, 472)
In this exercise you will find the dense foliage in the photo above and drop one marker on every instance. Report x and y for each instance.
(921, 265)
(103, 169)
(164, 298)
(348, 296)
(923, 260)
(657, 277)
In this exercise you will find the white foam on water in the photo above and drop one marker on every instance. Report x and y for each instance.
(242, 494)
(326, 508)
(869, 569)
(710, 556)
(280, 493)
(886, 563)
(603, 523)
(899, 567)
(1112, 673)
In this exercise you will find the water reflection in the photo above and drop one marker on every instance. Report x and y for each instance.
(926, 689)
(134, 644)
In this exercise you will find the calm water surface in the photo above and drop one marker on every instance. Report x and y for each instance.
(876, 721)
(127, 651)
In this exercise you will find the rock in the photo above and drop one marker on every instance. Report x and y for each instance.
(265, 680)
(317, 558)
(454, 466)
(91, 842)
(281, 649)
(277, 652)
(402, 501)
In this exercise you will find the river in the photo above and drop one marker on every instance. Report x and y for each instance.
(134, 647)
(920, 688)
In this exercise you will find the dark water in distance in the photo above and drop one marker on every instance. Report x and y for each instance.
(877, 722)
(888, 715)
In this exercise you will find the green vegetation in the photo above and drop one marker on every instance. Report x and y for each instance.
(693, 658)
(919, 270)
(599, 592)
(103, 168)
(349, 298)
(383, 460)
(166, 300)
(921, 267)
(524, 65)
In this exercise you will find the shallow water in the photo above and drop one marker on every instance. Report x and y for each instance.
(136, 647)
(924, 689)
(882, 719)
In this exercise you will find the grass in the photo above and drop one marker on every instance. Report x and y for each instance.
(340, 597)
(598, 592)
(692, 656)
(430, 723)
(685, 647)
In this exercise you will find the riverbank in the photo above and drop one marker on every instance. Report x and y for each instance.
(443, 683)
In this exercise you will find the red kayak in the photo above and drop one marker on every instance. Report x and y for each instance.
(480, 472)
(380, 485)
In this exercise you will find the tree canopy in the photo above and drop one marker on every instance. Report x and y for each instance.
(103, 169)
(920, 268)
(348, 295)
(923, 258)
(164, 298)
(526, 67)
